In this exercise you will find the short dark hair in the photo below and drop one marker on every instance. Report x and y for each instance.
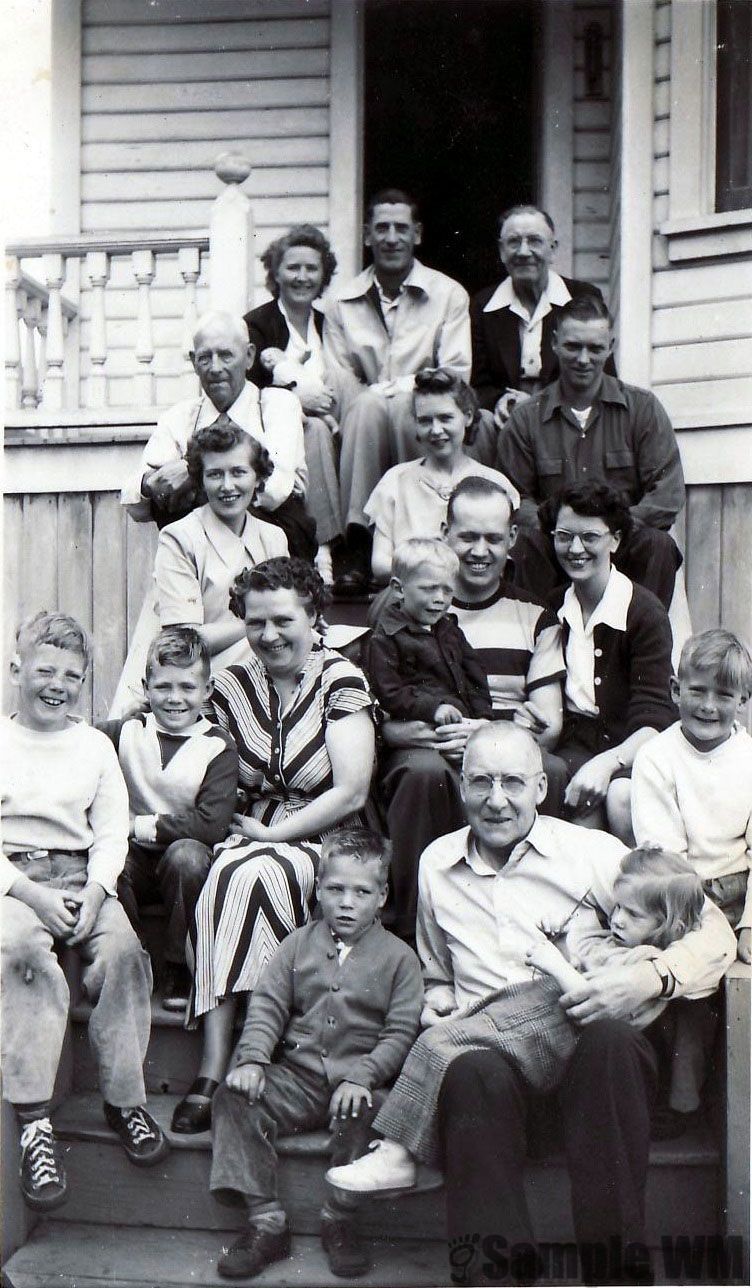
(592, 501)
(441, 380)
(299, 235)
(58, 629)
(178, 646)
(392, 197)
(475, 485)
(523, 208)
(283, 573)
(222, 438)
(359, 843)
(583, 308)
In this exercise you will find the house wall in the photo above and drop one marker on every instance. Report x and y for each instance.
(591, 172)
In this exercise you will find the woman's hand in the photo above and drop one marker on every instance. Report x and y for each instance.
(587, 789)
(318, 404)
(244, 825)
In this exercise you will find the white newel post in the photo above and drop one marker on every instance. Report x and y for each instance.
(143, 271)
(12, 338)
(52, 372)
(98, 272)
(32, 311)
(189, 263)
(231, 238)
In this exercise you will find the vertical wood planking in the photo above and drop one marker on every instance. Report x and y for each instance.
(735, 571)
(141, 546)
(13, 596)
(704, 555)
(39, 553)
(108, 567)
(74, 568)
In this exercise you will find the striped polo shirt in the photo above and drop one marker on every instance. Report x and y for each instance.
(519, 643)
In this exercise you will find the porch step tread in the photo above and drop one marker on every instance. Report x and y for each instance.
(94, 1256)
(80, 1118)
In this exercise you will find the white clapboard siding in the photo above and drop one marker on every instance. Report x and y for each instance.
(591, 155)
(702, 312)
(168, 85)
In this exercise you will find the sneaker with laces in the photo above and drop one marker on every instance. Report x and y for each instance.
(386, 1166)
(142, 1139)
(344, 1248)
(253, 1251)
(42, 1176)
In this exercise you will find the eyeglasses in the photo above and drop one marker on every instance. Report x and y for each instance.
(513, 785)
(590, 540)
(514, 243)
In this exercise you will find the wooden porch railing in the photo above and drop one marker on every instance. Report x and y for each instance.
(48, 278)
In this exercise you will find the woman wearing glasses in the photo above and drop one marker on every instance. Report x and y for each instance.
(617, 650)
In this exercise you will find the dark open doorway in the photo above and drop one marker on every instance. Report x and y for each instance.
(450, 115)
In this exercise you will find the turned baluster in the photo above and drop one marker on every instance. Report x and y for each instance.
(98, 272)
(189, 263)
(53, 378)
(12, 338)
(143, 382)
(231, 238)
(29, 370)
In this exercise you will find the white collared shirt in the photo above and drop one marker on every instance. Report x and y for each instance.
(531, 324)
(306, 349)
(475, 924)
(579, 650)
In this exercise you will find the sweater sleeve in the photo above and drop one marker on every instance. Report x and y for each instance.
(649, 665)
(399, 1031)
(209, 819)
(655, 809)
(108, 819)
(269, 1007)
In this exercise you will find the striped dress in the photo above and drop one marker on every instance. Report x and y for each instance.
(259, 891)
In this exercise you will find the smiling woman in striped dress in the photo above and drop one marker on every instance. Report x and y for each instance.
(302, 719)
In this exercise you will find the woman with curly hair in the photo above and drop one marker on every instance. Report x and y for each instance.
(286, 333)
(199, 555)
(302, 719)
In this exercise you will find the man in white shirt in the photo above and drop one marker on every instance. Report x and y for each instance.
(221, 355)
(394, 318)
(483, 891)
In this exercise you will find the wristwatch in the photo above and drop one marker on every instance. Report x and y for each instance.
(668, 983)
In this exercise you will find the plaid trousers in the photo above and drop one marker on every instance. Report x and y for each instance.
(523, 1021)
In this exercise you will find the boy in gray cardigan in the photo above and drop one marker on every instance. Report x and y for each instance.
(339, 1006)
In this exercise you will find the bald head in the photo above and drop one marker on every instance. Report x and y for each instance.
(221, 356)
(502, 740)
(502, 785)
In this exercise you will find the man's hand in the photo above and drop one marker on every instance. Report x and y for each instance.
(163, 485)
(531, 717)
(347, 1101)
(90, 902)
(744, 945)
(587, 789)
(505, 405)
(248, 1080)
(56, 909)
(612, 994)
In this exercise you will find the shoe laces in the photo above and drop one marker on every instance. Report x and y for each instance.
(38, 1145)
(140, 1129)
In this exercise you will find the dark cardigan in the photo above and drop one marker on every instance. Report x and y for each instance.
(268, 329)
(632, 669)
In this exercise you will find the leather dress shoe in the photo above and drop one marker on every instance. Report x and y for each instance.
(188, 1118)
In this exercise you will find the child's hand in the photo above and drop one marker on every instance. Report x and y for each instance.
(90, 902)
(347, 1100)
(544, 956)
(56, 909)
(446, 713)
(744, 945)
(270, 357)
(248, 1080)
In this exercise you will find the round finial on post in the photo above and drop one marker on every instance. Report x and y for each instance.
(232, 167)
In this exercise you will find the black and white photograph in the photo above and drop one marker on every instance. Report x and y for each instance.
(376, 733)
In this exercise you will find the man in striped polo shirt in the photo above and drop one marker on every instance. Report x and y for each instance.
(520, 646)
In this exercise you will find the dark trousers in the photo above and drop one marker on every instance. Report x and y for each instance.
(174, 877)
(244, 1135)
(604, 1109)
(422, 794)
(297, 524)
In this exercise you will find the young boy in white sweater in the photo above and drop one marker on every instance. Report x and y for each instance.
(65, 837)
(692, 793)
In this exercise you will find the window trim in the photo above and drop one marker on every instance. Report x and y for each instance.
(694, 228)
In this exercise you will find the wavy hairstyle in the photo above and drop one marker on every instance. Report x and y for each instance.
(667, 888)
(222, 438)
(283, 573)
(300, 235)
